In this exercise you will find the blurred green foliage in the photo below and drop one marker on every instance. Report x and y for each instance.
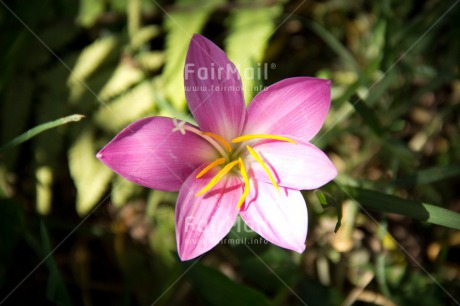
(72, 232)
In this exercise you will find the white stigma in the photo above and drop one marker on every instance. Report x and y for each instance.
(179, 126)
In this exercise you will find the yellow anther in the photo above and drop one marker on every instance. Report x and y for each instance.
(261, 162)
(246, 183)
(263, 136)
(217, 162)
(220, 139)
(217, 178)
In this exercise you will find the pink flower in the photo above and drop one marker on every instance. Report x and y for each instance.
(250, 162)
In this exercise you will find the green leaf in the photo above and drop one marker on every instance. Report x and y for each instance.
(374, 45)
(56, 291)
(240, 232)
(316, 294)
(410, 208)
(15, 110)
(124, 76)
(164, 107)
(14, 50)
(90, 10)
(144, 35)
(339, 217)
(57, 38)
(151, 61)
(336, 46)
(252, 22)
(44, 176)
(431, 175)
(126, 108)
(326, 200)
(5, 190)
(189, 18)
(321, 197)
(266, 269)
(122, 191)
(89, 60)
(39, 129)
(393, 147)
(91, 177)
(133, 13)
(376, 92)
(162, 239)
(218, 289)
(11, 226)
(368, 116)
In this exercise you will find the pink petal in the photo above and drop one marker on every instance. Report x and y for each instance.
(149, 153)
(295, 107)
(296, 166)
(279, 217)
(213, 89)
(202, 221)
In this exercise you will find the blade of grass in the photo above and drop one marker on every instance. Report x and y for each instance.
(368, 116)
(430, 175)
(336, 46)
(56, 290)
(39, 129)
(218, 289)
(413, 209)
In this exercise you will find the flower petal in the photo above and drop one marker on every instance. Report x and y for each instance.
(213, 89)
(202, 221)
(296, 166)
(294, 107)
(149, 153)
(279, 217)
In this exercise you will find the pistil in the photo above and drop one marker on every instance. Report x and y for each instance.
(182, 127)
(220, 139)
(219, 143)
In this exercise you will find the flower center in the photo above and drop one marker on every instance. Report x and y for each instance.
(229, 157)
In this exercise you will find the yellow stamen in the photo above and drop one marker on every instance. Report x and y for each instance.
(217, 178)
(246, 183)
(261, 162)
(220, 139)
(217, 162)
(265, 136)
